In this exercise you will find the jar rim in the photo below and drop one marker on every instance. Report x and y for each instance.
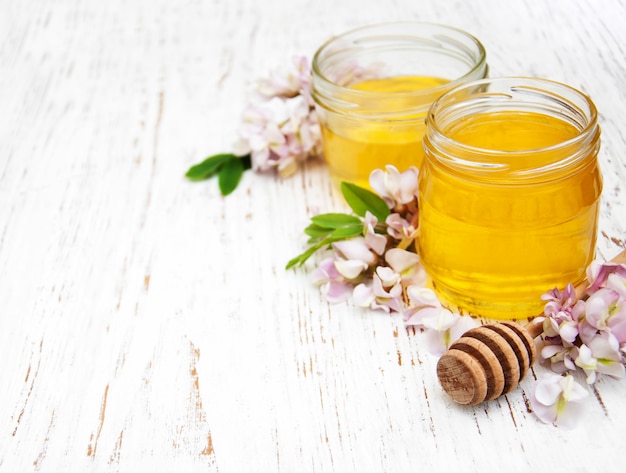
(562, 94)
(479, 62)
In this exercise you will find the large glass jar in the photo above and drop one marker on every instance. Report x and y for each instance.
(509, 194)
(373, 86)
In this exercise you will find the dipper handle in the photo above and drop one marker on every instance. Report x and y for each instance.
(492, 359)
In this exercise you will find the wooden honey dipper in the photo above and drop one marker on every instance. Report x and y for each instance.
(492, 359)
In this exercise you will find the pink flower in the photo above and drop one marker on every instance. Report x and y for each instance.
(600, 355)
(561, 358)
(561, 328)
(394, 187)
(444, 328)
(331, 282)
(423, 303)
(286, 82)
(260, 133)
(560, 302)
(617, 282)
(280, 127)
(384, 292)
(606, 310)
(355, 249)
(598, 274)
(406, 264)
(557, 400)
(441, 326)
(376, 241)
(400, 228)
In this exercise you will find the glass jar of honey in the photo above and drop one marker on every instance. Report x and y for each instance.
(373, 86)
(509, 194)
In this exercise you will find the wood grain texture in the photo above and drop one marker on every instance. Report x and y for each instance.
(148, 324)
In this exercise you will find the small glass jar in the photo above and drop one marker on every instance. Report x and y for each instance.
(372, 87)
(509, 194)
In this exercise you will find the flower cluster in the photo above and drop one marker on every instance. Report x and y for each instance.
(588, 334)
(374, 266)
(378, 266)
(558, 399)
(280, 127)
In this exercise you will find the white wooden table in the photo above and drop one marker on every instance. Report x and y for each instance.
(148, 324)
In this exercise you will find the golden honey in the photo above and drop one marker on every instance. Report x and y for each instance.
(373, 86)
(356, 146)
(509, 194)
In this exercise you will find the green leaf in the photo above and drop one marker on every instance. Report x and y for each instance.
(361, 200)
(300, 259)
(230, 174)
(315, 231)
(338, 234)
(335, 220)
(247, 161)
(347, 232)
(207, 168)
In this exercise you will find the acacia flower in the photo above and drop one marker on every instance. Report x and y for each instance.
(557, 399)
(423, 303)
(394, 187)
(406, 264)
(260, 134)
(384, 292)
(442, 327)
(355, 249)
(286, 82)
(617, 282)
(400, 228)
(563, 311)
(374, 240)
(280, 127)
(332, 283)
(588, 334)
(600, 355)
(561, 358)
(606, 310)
(598, 274)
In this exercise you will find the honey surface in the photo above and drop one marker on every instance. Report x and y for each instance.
(354, 147)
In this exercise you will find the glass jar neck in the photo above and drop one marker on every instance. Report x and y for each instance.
(391, 50)
(542, 106)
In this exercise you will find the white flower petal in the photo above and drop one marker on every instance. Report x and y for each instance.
(377, 182)
(388, 276)
(401, 260)
(376, 242)
(570, 416)
(462, 325)
(336, 291)
(350, 269)
(548, 389)
(355, 249)
(546, 414)
(363, 295)
(434, 341)
(443, 320)
(421, 296)
(568, 331)
(611, 368)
